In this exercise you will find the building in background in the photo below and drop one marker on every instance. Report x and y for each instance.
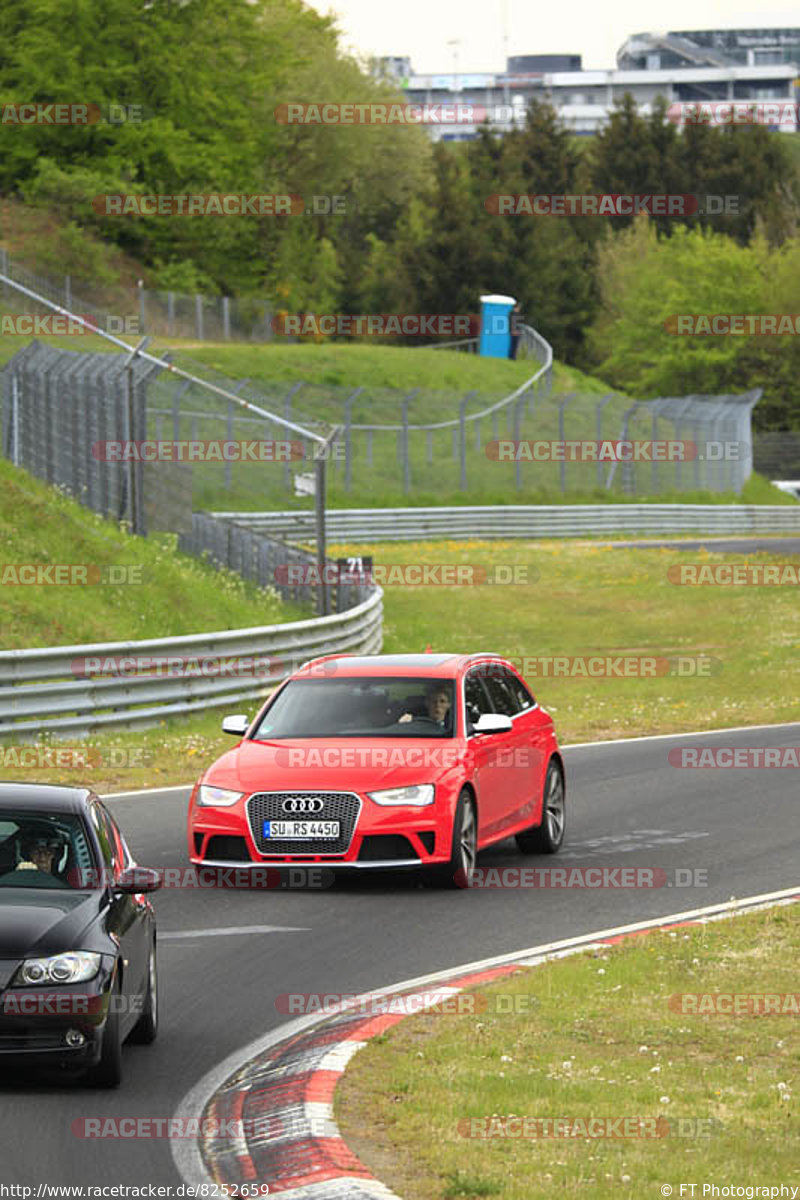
(729, 64)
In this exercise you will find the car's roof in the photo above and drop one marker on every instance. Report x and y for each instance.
(438, 666)
(43, 796)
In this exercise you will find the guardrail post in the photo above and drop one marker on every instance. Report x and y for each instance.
(14, 456)
(462, 430)
(226, 318)
(404, 443)
(229, 435)
(654, 463)
(287, 413)
(170, 314)
(518, 407)
(142, 313)
(198, 316)
(562, 466)
(599, 432)
(348, 439)
(134, 499)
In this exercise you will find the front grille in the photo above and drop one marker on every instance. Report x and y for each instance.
(343, 807)
(32, 1039)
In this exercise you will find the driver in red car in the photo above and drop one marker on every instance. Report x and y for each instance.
(437, 703)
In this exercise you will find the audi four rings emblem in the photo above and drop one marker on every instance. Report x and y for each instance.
(302, 804)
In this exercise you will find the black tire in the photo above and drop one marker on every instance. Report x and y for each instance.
(145, 1030)
(463, 850)
(108, 1072)
(548, 837)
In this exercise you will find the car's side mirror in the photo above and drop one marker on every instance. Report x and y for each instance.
(137, 879)
(493, 723)
(237, 725)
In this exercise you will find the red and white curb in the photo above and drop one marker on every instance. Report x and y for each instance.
(282, 1085)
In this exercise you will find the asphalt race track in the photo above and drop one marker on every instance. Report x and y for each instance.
(627, 807)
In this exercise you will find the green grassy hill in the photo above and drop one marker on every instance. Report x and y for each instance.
(177, 594)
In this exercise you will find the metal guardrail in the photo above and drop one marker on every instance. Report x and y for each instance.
(525, 521)
(54, 690)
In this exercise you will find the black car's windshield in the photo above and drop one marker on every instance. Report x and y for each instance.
(43, 850)
(364, 706)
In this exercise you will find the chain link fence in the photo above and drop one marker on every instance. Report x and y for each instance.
(140, 311)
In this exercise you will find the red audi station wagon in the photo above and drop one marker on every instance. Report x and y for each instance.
(385, 761)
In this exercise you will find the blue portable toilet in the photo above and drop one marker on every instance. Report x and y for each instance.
(495, 340)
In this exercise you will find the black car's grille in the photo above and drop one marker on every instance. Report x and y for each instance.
(33, 1039)
(343, 807)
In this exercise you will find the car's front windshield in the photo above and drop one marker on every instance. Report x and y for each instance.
(43, 850)
(361, 706)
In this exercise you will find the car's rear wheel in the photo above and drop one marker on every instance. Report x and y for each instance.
(108, 1072)
(146, 1028)
(547, 837)
(464, 846)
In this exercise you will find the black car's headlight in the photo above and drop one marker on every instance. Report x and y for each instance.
(77, 966)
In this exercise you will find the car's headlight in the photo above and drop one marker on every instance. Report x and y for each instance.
(76, 967)
(214, 797)
(417, 794)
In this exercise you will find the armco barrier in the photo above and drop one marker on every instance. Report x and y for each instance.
(42, 690)
(525, 521)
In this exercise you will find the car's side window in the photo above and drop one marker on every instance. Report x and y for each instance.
(476, 699)
(121, 851)
(105, 836)
(518, 690)
(502, 697)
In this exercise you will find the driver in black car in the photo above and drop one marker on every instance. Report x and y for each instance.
(437, 703)
(41, 853)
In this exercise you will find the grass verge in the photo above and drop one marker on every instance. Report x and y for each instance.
(600, 1035)
(160, 593)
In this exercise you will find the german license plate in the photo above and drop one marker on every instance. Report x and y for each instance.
(299, 830)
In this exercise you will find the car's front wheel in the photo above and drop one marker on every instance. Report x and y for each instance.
(108, 1072)
(547, 837)
(464, 846)
(146, 1028)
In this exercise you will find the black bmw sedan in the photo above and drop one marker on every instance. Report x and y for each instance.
(77, 934)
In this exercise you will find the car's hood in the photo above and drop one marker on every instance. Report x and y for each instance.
(37, 922)
(335, 764)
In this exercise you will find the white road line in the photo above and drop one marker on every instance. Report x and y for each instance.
(173, 787)
(661, 737)
(185, 1153)
(233, 930)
